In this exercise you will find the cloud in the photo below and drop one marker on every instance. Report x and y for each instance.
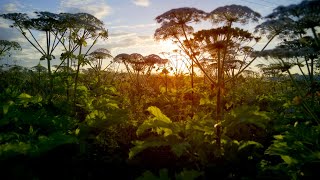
(128, 40)
(122, 40)
(11, 7)
(134, 26)
(120, 34)
(144, 3)
(98, 8)
(16, 6)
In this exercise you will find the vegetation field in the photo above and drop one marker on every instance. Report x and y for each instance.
(207, 110)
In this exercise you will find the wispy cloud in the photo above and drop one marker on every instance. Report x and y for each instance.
(134, 26)
(127, 39)
(144, 3)
(11, 7)
(98, 8)
(16, 6)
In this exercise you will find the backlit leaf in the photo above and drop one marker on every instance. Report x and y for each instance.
(158, 114)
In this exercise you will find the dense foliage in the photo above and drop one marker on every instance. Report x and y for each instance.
(154, 121)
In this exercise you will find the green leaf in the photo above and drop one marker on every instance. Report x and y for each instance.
(289, 160)
(278, 137)
(94, 117)
(246, 115)
(245, 144)
(24, 99)
(11, 149)
(180, 148)
(77, 131)
(160, 124)
(5, 108)
(157, 126)
(163, 131)
(158, 114)
(24, 96)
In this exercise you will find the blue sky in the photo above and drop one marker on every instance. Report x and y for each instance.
(130, 22)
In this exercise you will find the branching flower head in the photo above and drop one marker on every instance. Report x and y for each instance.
(172, 30)
(121, 58)
(174, 23)
(152, 59)
(19, 19)
(182, 16)
(234, 13)
(281, 26)
(101, 53)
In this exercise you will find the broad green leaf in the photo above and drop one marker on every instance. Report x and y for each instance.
(158, 114)
(36, 99)
(164, 131)
(77, 131)
(180, 148)
(94, 117)
(160, 124)
(156, 125)
(24, 96)
(82, 88)
(289, 160)
(246, 115)
(278, 137)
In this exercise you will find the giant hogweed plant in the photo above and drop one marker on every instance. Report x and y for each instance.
(99, 113)
(195, 137)
(295, 149)
(298, 149)
(28, 128)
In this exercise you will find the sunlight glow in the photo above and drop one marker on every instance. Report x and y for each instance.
(178, 64)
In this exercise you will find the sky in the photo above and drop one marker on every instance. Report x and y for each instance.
(130, 23)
